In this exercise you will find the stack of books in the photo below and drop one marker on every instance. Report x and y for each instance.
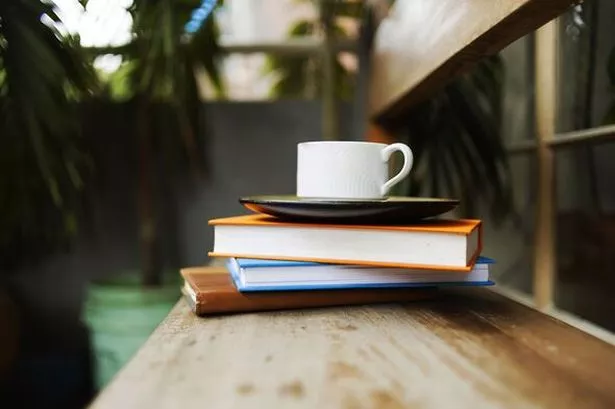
(285, 260)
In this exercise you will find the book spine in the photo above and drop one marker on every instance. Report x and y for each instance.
(235, 302)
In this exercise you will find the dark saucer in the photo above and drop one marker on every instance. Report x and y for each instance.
(392, 210)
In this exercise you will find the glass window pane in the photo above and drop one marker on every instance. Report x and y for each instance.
(511, 243)
(518, 97)
(586, 233)
(585, 93)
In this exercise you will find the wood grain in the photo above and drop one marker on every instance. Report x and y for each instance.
(471, 349)
(544, 241)
(423, 44)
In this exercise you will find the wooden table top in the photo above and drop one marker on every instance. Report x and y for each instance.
(467, 349)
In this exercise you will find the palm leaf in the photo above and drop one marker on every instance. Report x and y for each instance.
(353, 9)
(164, 66)
(204, 50)
(43, 161)
(163, 72)
(455, 137)
(299, 76)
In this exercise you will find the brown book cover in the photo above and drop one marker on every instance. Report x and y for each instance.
(210, 290)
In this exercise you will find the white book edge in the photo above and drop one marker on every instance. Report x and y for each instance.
(384, 247)
(324, 275)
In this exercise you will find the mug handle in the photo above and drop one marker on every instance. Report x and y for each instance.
(405, 170)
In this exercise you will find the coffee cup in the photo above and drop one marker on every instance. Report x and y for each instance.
(348, 170)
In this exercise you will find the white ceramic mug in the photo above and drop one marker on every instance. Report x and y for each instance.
(348, 170)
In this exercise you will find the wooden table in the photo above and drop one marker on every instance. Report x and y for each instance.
(467, 349)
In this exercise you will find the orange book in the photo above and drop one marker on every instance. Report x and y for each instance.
(210, 290)
(434, 244)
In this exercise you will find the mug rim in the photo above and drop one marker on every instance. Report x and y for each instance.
(341, 142)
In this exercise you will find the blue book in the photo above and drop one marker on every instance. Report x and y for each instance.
(275, 275)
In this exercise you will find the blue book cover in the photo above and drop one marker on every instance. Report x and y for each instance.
(236, 265)
(255, 263)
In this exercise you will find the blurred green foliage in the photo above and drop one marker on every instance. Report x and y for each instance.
(456, 139)
(163, 63)
(43, 160)
(299, 76)
(45, 74)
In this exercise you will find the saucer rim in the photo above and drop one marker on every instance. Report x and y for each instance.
(294, 199)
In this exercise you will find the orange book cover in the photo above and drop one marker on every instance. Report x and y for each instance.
(458, 226)
(462, 227)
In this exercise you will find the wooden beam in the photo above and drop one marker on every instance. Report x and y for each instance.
(291, 46)
(423, 44)
(329, 110)
(546, 83)
(378, 134)
(561, 315)
(592, 135)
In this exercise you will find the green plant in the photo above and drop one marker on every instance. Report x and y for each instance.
(160, 69)
(455, 136)
(42, 157)
(299, 75)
